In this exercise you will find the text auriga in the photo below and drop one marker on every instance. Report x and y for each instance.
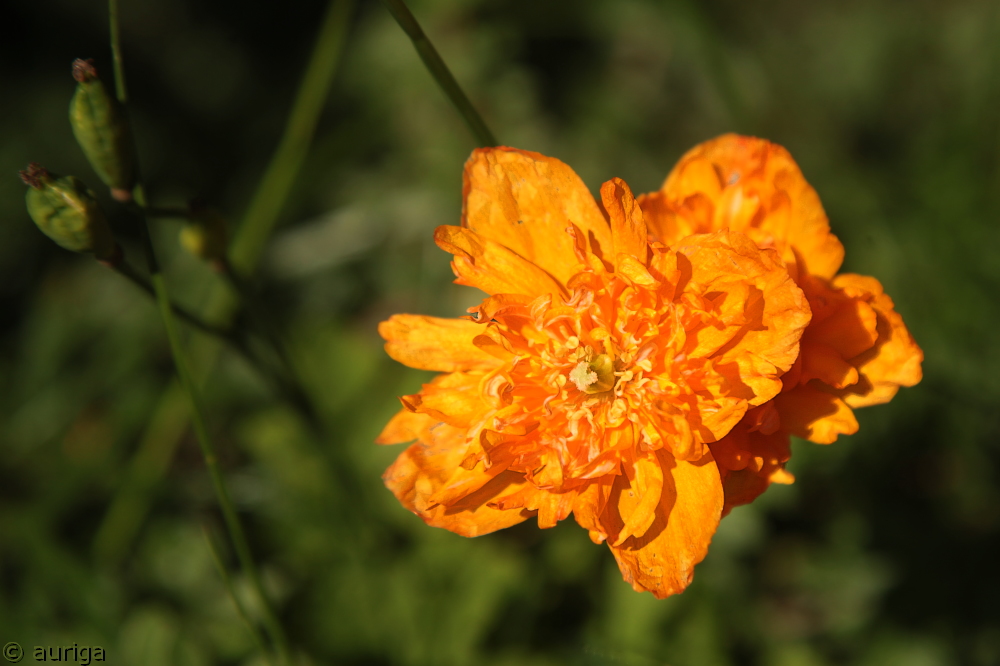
(80, 654)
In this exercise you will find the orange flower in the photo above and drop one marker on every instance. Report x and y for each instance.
(596, 374)
(856, 350)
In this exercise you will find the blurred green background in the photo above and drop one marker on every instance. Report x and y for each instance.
(884, 552)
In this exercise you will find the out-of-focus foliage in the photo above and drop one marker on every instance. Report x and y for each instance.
(883, 552)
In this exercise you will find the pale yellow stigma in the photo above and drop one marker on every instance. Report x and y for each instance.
(594, 376)
(582, 376)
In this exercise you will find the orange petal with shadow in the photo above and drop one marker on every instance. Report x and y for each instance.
(420, 471)
(638, 501)
(815, 415)
(628, 228)
(850, 329)
(551, 507)
(776, 311)
(434, 343)
(662, 560)
(823, 362)
(894, 360)
(752, 186)
(526, 201)
(453, 398)
(492, 267)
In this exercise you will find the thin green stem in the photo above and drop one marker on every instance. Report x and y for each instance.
(160, 439)
(286, 163)
(230, 336)
(439, 70)
(232, 520)
(116, 51)
(227, 582)
(233, 524)
(127, 271)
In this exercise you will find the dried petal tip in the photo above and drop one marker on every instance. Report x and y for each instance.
(35, 176)
(84, 71)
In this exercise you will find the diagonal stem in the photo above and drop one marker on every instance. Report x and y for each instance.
(292, 390)
(126, 270)
(116, 51)
(160, 439)
(439, 70)
(276, 185)
(233, 523)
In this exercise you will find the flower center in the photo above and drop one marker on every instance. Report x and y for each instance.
(594, 376)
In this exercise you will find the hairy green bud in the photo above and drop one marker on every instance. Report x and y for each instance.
(67, 212)
(101, 130)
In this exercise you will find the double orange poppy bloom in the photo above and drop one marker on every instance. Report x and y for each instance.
(638, 362)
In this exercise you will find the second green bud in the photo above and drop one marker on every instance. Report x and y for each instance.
(67, 212)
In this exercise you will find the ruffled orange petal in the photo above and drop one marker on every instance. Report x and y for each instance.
(453, 398)
(752, 456)
(406, 426)
(850, 329)
(856, 352)
(433, 343)
(823, 362)
(628, 228)
(718, 419)
(589, 504)
(662, 560)
(526, 201)
(774, 314)
(752, 186)
(638, 502)
(894, 360)
(420, 473)
(550, 507)
(815, 415)
(492, 267)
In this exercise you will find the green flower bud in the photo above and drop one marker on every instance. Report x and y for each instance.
(205, 233)
(67, 212)
(102, 131)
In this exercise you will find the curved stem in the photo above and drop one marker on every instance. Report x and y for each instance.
(439, 70)
(160, 438)
(286, 163)
(116, 51)
(126, 270)
(230, 336)
(233, 523)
